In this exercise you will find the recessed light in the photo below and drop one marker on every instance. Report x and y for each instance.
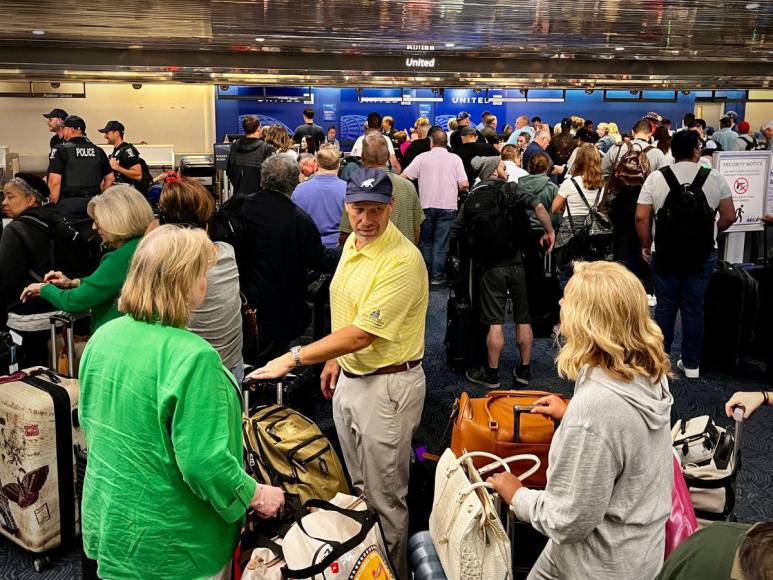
(135, 46)
(38, 32)
(260, 39)
(619, 48)
(450, 45)
(752, 6)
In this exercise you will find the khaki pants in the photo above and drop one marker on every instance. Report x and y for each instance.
(376, 418)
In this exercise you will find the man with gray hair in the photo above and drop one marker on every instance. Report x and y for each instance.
(282, 244)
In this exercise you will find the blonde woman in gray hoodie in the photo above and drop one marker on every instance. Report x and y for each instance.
(609, 482)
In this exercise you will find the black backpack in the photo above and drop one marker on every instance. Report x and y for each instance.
(76, 248)
(496, 226)
(228, 225)
(146, 182)
(750, 145)
(684, 226)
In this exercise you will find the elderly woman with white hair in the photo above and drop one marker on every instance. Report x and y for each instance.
(121, 215)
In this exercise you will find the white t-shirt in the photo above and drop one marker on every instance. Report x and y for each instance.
(514, 173)
(573, 200)
(357, 147)
(655, 188)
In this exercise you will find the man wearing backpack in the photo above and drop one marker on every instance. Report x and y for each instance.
(125, 160)
(497, 229)
(745, 141)
(245, 157)
(685, 198)
(627, 166)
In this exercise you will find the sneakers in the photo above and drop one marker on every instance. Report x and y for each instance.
(522, 374)
(688, 373)
(651, 300)
(483, 376)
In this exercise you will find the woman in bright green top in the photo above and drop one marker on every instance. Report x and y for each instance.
(165, 489)
(121, 215)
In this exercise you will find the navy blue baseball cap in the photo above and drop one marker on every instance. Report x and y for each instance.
(75, 122)
(113, 126)
(368, 184)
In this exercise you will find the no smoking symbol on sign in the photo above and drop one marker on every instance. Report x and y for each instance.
(741, 185)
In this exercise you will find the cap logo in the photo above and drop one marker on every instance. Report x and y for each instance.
(368, 183)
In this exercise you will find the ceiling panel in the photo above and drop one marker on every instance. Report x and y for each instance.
(704, 40)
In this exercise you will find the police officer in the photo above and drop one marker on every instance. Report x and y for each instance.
(56, 125)
(125, 159)
(77, 169)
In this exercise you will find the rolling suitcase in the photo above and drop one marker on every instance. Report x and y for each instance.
(544, 294)
(66, 350)
(731, 306)
(39, 427)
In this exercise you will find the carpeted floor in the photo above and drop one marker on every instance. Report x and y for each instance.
(704, 396)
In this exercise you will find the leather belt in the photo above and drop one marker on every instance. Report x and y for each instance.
(391, 369)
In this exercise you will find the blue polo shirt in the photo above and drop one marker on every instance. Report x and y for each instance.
(323, 199)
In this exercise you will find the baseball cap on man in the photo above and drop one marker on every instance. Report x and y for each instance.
(56, 113)
(368, 184)
(75, 122)
(113, 126)
(461, 116)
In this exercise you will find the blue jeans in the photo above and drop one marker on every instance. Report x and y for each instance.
(433, 241)
(683, 293)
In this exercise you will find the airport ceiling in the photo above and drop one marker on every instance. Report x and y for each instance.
(477, 43)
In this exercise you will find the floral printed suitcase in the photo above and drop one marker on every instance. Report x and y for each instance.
(38, 430)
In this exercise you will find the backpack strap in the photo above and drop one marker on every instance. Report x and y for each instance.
(648, 148)
(700, 179)
(671, 180)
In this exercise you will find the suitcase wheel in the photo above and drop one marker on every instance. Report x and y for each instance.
(40, 564)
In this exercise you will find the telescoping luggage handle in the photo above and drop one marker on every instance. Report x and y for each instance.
(518, 410)
(67, 321)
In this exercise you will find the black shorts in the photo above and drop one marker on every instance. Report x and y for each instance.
(494, 287)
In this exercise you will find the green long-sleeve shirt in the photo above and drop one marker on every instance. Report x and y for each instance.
(99, 291)
(165, 489)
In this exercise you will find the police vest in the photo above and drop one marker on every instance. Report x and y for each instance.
(82, 174)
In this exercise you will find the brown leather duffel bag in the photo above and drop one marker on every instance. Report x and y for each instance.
(500, 424)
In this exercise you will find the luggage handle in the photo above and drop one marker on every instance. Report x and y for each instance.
(67, 321)
(520, 409)
(493, 424)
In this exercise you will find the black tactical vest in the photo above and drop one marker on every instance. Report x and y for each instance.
(82, 175)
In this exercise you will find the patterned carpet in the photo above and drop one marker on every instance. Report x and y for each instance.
(705, 396)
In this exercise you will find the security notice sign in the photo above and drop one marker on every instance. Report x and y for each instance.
(748, 174)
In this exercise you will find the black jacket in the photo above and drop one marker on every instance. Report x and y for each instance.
(282, 245)
(244, 159)
(23, 247)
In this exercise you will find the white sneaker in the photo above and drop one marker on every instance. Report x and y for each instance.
(689, 373)
(651, 300)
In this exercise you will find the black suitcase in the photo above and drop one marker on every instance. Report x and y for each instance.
(731, 306)
(760, 347)
(544, 293)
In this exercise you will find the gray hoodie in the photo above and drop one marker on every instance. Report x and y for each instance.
(609, 483)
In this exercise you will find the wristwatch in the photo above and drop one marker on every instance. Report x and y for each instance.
(296, 352)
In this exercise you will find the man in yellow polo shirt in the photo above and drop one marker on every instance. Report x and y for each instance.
(378, 302)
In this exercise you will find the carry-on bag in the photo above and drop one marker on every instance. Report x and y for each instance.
(731, 306)
(423, 558)
(711, 476)
(286, 449)
(38, 428)
(681, 522)
(337, 543)
(465, 526)
(502, 423)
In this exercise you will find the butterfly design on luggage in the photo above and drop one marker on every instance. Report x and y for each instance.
(26, 490)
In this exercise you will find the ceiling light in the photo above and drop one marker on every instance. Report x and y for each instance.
(450, 45)
(619, 48)
(260, 39)
(752, 6)
(135, 46)
(38, 32)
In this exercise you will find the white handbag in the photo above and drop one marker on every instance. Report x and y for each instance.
(465, 527)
